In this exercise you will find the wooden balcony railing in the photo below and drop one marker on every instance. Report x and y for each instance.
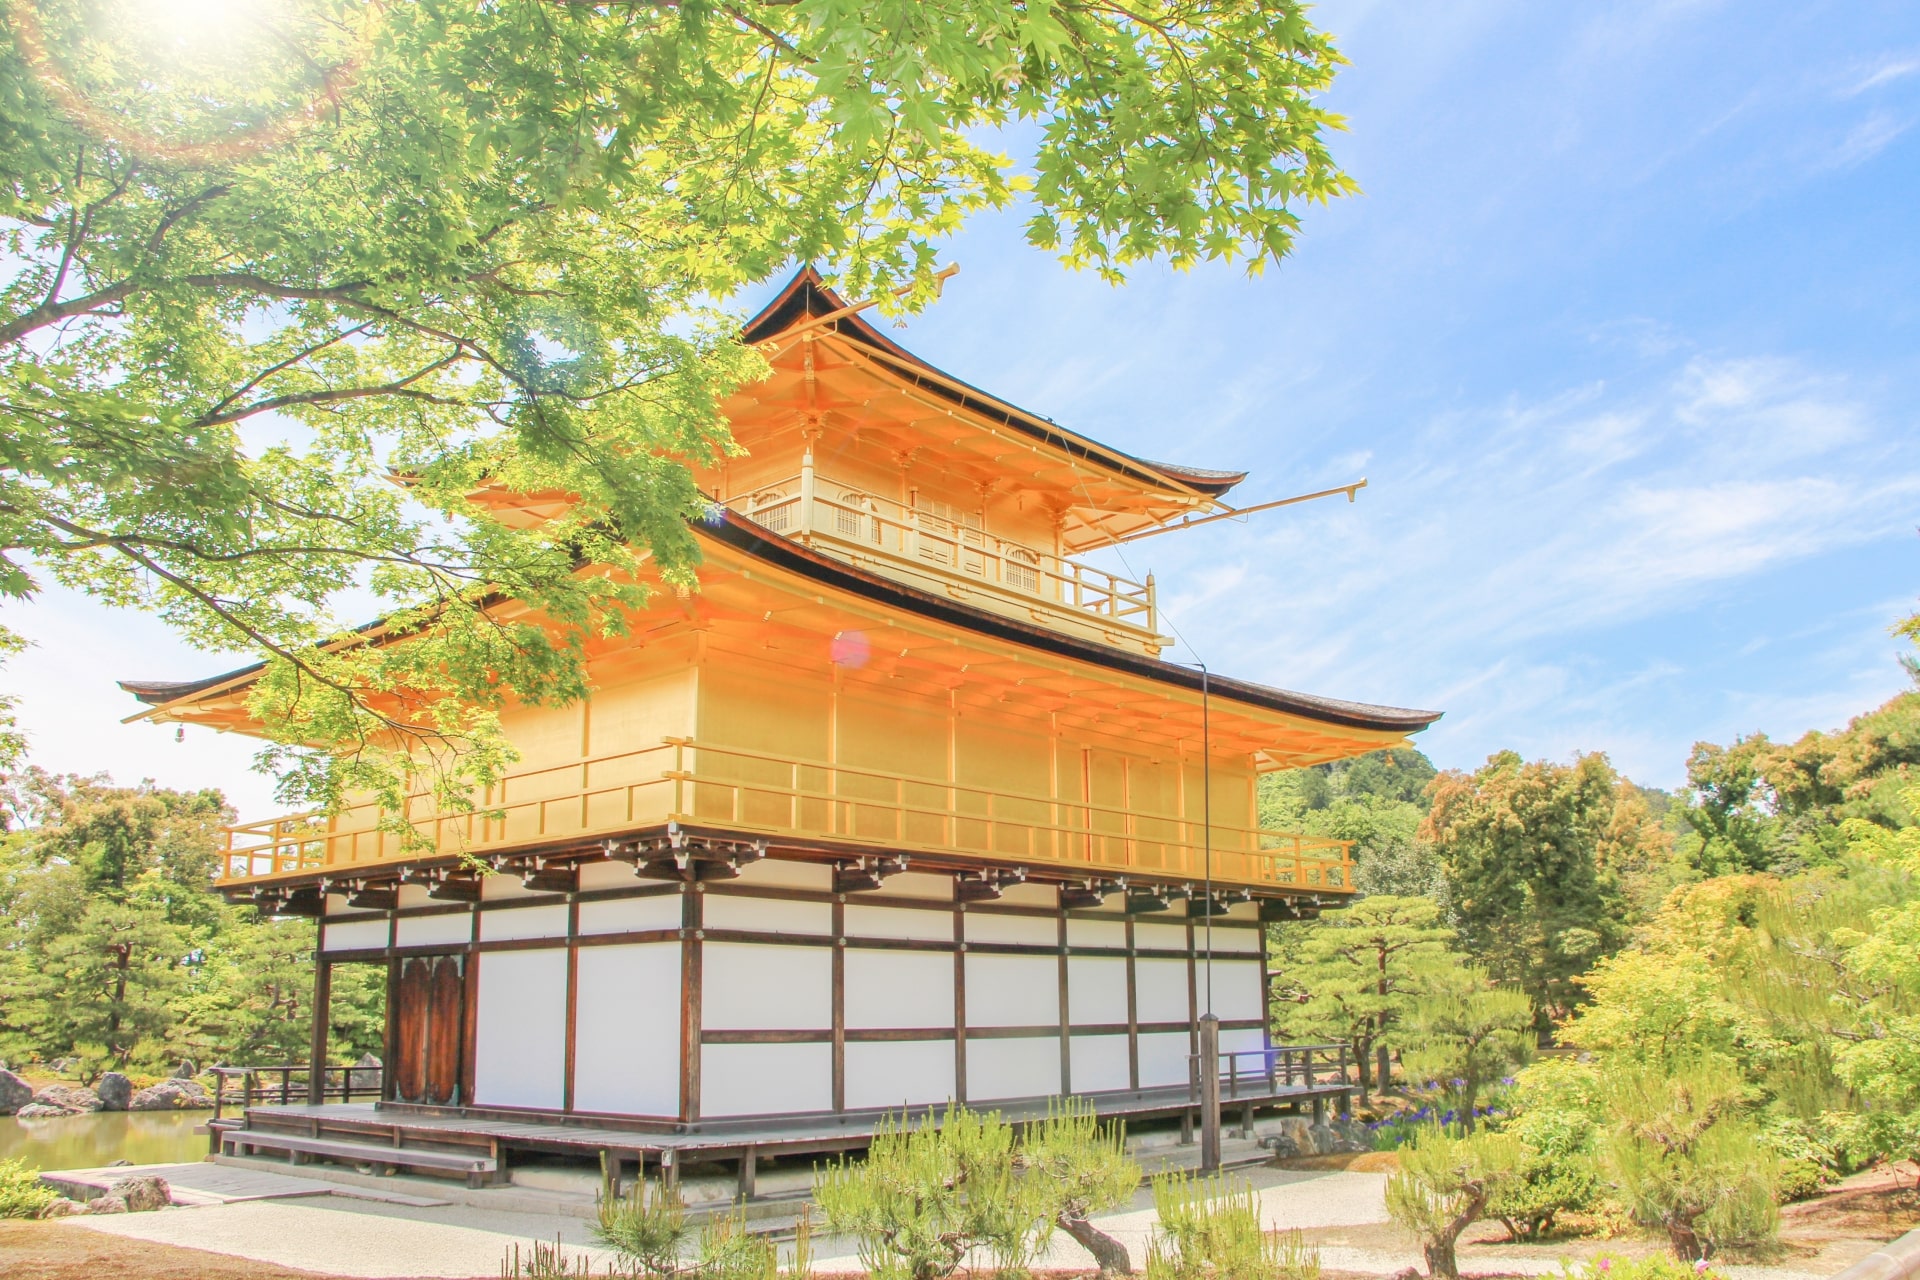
(855, 525)
(759, 793)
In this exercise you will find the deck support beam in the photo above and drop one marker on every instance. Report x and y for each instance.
(317, 1043)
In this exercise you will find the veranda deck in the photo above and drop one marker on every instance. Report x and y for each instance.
(383, 1134)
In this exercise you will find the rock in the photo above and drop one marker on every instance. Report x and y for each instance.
(106, 1204)
(63, 1066)
(40, 1111)
(62, 1207)
(186, 1070)
(71, 1099)
(119, 1164)
(15, 1093)
(172, 1095)
(142, 1194)
(115, 1091)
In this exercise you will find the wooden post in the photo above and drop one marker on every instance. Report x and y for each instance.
(749, 1162)
(1209, 1093)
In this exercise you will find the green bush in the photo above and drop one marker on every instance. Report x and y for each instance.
(728, 1251)
(1556, 1173)
(1686, 1161)
(646, 1227)
(928, 1194)
(1801, 1180)
(1660, 1266)
(543, 1261)
(1210, 1230)
(22, 1194)
(1444, 1186)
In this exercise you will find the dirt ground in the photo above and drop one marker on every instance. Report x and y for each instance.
(1817, 1237)
(49, 1251)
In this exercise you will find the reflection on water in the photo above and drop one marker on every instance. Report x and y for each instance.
(89, 1141)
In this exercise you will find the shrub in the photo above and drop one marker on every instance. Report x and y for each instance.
(1556, 1172)
(1801, 1180)
(646, 1227)
(1443, 1187)
(22, 1194)
(1209, 1230)
(1080, 1168)
(1659, 1266)
(728, 1251)
(1684, 1159)
(543, 1261)
(929, 1194)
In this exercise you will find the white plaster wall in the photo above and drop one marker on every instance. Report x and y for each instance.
(900, 1074)
(1096, 933)
(899, 989)
(899, 922)
(520, 1051)
(1027, 1067)
(414, 895)
(1099, 1063)
(1239, 989)
(497, 886)
(767, 915)
(750, 987)
(1149, 935)
(335, 905)
(606, 875)
(630, 915)
(354, 935)
(982, 926)
(765, 1079)
(452, 929)
(1163, 1059)
(912, 884)
(1096, 989)
(791, 875)
(1249, 1040)
(1160, 988)
(1238, 941)
(1012, 991)
(548, 921)
(1030, 895)
(627, 1030)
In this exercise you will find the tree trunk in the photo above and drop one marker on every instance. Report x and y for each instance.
(1383, 1070)
(1440, 1260)
(1109, 1253)
(1362, 1056)
(1685, 1240)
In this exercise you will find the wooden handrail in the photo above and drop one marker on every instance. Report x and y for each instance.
(838, 802)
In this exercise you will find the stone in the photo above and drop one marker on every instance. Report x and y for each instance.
(40, 1111)
(62, 1207)
(15, 1093)
(172, 1095)
(186, 1070)
(143, 1194)
(71, 1099)
(106, 1204)
(115, 1091)
(119, 1164)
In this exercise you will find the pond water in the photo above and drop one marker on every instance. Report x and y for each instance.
(90, 1141)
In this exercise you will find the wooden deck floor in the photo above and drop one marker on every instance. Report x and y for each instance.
(714, 1139)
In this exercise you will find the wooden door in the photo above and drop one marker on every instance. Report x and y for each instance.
(429, 1008)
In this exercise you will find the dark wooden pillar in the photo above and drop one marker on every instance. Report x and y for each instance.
(317, 1045)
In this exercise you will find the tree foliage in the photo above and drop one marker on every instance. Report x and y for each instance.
(114, 949)
(264, 261)
(1536, 854)
(1359, 975)
(1444, 1185)
(1467, 1033)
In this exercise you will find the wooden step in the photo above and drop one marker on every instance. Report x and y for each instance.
(478, 1169)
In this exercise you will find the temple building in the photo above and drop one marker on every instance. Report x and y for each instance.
(902, 805)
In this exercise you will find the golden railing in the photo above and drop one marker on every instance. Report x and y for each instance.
(926, 542)
(777, 796)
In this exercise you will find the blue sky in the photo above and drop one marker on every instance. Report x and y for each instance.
(1624, 333)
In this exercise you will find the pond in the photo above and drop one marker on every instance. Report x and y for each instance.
(90, 1141)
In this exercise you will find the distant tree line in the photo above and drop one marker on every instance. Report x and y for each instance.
(116, 952)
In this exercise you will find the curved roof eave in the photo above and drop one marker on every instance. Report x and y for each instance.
(807, 296)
